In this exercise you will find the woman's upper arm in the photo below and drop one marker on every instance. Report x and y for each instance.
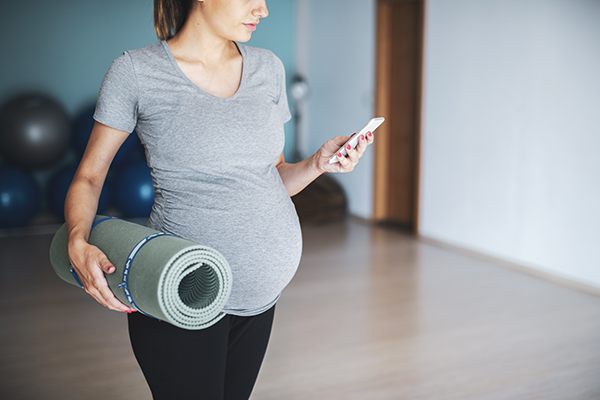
(117, 106)
(101, 149)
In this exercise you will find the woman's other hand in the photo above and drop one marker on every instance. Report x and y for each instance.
(345, 163)
(90, 264)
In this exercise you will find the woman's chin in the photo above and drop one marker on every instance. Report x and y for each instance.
(243, 38)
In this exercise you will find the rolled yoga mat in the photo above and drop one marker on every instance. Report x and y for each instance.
(160, 275)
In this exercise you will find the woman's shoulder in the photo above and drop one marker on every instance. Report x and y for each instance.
(135, 65)
(260, 55)
(150, 52)
(142, 59)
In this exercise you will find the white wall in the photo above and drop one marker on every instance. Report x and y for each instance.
(336, 51)
(511, 131)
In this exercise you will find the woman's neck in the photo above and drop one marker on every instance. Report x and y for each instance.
(196, 43)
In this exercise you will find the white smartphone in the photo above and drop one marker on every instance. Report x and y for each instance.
(370, 127)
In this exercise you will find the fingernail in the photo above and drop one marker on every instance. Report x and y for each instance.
(111, 269)
(339, 154)
(128, 311)
(370, 134)
(362, 137)
(348, 146)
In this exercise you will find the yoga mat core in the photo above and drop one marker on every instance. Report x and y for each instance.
(199, 288)
(161, 275)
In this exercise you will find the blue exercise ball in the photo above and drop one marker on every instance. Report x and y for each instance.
(84, 123)
(19, 197)
(57, 192)
(133, 190)
(35, 131)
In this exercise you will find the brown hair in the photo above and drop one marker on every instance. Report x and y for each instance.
(169, 16)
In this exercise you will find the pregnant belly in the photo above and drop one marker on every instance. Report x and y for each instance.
(261, 242)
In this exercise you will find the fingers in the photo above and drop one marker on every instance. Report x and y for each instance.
(100, 291)
(106, 265)
(348, 163)
(91, 267)
(370, 138)
(345, 162)
(362, 145)
(333, 145)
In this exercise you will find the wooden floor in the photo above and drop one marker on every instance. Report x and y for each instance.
(371, 314)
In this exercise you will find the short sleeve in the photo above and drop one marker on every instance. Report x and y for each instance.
(282, 101)
(117, 104)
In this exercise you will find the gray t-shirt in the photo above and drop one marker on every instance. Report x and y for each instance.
(213, 163)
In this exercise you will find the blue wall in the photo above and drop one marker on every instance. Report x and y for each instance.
(64, 47)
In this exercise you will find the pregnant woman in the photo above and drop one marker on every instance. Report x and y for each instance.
(210, 112)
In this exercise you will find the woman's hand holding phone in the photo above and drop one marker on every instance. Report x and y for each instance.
(341, 154)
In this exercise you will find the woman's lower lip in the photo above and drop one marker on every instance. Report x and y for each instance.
(250, 27)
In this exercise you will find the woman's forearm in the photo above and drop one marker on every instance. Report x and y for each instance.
(297, 176)
(81, 204)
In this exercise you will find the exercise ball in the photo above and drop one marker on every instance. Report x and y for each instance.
(19, 197)
(133, 190)
(35, 131)
(58, 186)
(84, 123)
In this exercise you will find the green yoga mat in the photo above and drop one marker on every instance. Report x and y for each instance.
(161, 275)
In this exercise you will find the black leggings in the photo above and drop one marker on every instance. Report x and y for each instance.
(219, 362)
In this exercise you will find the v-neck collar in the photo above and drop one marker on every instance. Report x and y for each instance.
(184, 76)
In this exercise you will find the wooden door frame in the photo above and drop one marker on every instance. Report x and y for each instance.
(383, 152)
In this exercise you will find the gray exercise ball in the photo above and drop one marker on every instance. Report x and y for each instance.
(35, 131)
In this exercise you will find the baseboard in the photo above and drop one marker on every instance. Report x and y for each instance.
(527, 270)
